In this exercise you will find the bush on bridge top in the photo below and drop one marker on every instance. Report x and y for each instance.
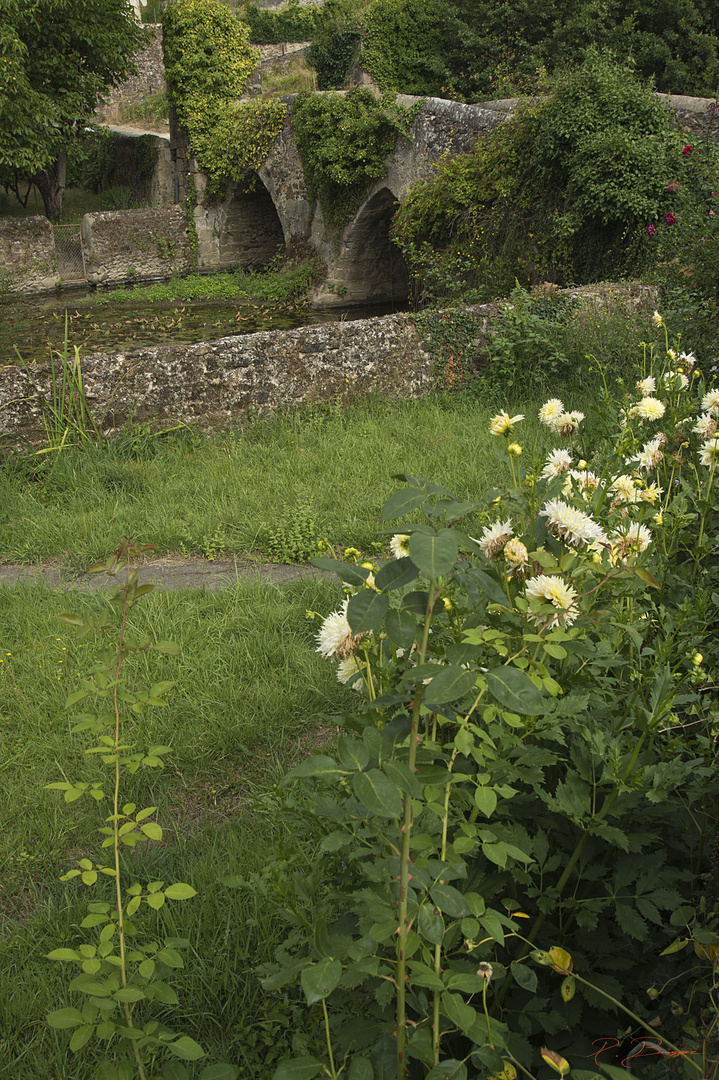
(208, 60)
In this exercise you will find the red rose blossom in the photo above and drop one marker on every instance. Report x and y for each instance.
(670, 219)
(687, 151)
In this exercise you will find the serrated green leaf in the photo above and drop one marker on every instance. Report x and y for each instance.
(524, 975)
(180, 891)
(378, 793)
(325, 768)
(366, 610)
(486, 800)
(304, 1068)
(515, 691)
(450, 901)
(81, 1036)
(221, 1071)
(64, 1018)
(169, 648)
(449, 684)
(434, 554)
(430, 924)
(402, 502)
(319, 980)
(186, 1049)
(401, 627)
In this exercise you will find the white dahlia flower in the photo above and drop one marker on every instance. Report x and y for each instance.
(335, 637)
(647, 386)
(557, 463)
(552, 588)
(503, 422)
(710, 402)
(571, 525)
(626, 489)
(705, 426)
(550, 411)
(649, 408)
(399, 545)
(709, 455)
(494, 537)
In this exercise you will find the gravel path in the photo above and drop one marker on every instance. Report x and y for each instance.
(169, 573)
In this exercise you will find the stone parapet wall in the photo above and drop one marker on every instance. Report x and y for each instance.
(128, 245)
(215, 383)
(28, 262)
(150, 79)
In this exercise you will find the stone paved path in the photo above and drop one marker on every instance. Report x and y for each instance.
(169, 573)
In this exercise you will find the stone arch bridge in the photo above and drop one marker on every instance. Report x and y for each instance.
(365, 267)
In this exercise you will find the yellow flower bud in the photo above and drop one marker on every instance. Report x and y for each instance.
(697, 659)
(582, 464)
(515, 449)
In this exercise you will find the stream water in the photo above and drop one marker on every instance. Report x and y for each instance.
(35, 326)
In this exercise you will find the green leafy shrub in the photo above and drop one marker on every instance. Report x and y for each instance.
(497, 856)
(687, 239)
(292, 23)
(562, 191)
(343, 142)
(294, 539)
(227, 138)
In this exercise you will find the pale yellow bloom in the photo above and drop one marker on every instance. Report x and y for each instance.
(514, 449)
(649, 408)
(554, 589)
(657, 319)
(515, 553)
(503, 422)
(647, 386)
(550, 411)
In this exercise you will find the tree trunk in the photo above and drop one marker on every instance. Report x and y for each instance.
(51, 184)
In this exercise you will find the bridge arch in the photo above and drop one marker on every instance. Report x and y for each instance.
(368, 267)
(244, 229)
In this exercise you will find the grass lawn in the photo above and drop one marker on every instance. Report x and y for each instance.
(249, 691)
(273, 488)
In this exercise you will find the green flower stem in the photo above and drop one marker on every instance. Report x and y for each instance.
(333, 1071)
(116, 827)
(703, 519)
(403, 928)
(438, 948)
(486, 1012)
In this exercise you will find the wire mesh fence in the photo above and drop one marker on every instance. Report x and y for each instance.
(68, 247)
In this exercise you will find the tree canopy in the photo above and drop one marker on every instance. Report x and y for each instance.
(57, 58)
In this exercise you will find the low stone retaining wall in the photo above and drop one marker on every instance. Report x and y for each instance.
(28, 262)
(216, 382)
(128, 245)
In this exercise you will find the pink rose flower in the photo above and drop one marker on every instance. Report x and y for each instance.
(670, 219)
(687, 151)
(673, 188)
(651, 229)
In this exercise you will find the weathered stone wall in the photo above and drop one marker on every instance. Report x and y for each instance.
(28, 262)
(216, 382)
(127, 245)
(150, 79)
(242, 230)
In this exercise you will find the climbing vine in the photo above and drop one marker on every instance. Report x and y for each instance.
(343, 142)
(208, 60)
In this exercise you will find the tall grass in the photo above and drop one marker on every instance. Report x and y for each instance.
(246, 484)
